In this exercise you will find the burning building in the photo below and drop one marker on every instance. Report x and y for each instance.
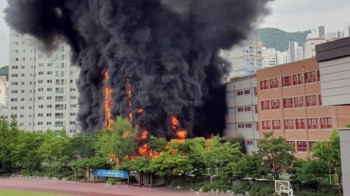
(154, 62)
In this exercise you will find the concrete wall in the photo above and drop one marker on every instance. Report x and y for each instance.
(235, 118)
(335, 81)
(344, 135)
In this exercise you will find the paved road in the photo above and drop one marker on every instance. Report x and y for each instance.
(88, 189)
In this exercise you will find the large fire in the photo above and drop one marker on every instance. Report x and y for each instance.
(108, 103)
(143, 136)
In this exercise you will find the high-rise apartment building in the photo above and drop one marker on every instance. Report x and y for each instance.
(3, 91)
(245, 59)
(242, 118)
(310, 46)
(282, 57)
(269, 57)
(295, 51)
(42, 87)
(290, 104)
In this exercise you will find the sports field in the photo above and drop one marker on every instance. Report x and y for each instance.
(26, 193)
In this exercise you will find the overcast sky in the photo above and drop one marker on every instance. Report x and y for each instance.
(288, 15)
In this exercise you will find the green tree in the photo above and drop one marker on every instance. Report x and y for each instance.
(276, 153)
(248, 166)
(329, 155)
(119, 141)
(170, 164)
(5, 163)
(54, 146)
(312, 171)
(84, 145)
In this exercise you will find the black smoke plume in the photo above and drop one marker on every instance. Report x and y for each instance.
(167, 49)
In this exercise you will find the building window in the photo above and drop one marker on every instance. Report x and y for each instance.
(49, 81)
(73, 97)
(288, 124)
(48, 114)
(312, 123)
(310, 77)
(58, 115)
(248, 125)
(319, 100)
(297, 79)
(326, 123)
(311, 144)
(275, 104)
(274, 83)
(60, 107)
(247, 92)
(240, 126)
(286, 81)
(40, 98)
(59, 124)
(249, 142)
(255, 92)
(73, 114)
(301, 146)
(239, 93)
(40, 114)
(288, 103)
(276, 124)
(41, 73)
(48, 123)
(40, 106)
(311, 100)
(318, 75)
(264, 85)
(248, 109)
(265, 105)
(266, 125)
(299, 102)
(240, 109)
(256, 109)
(300, 123)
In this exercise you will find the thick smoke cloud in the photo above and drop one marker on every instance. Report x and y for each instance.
(167, 49)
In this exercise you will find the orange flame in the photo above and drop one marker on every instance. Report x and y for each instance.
(181, 134)
(108, 103)
(143, 136)
(174, 123)
(143, 150)
(139, 111)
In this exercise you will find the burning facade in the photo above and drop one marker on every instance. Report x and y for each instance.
(154, 62)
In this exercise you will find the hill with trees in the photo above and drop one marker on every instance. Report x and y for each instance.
(276, 38)
(4, 71)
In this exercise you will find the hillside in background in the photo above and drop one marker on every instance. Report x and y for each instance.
(4, 71)
(276, 38)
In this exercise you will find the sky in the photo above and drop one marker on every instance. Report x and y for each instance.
(288, 15)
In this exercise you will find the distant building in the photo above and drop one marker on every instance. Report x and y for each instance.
(310, 46)
(43, 92)
(242, 118)
(290, 104)
(295, 51)
(3, 91)
(269, 56)
(282, 57)
(317, 33)
(245, 59)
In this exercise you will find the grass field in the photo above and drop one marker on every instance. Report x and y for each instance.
(25, 193)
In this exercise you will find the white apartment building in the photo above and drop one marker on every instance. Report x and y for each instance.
(42, 87)
(310, 46)
(295, 51)
(245, 59)
(242, 118)
(3, 91)
(269, 57)
(282, 57)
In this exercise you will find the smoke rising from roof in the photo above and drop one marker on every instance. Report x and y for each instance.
(168, 50)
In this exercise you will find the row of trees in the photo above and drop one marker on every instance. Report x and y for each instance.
(20, 150)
